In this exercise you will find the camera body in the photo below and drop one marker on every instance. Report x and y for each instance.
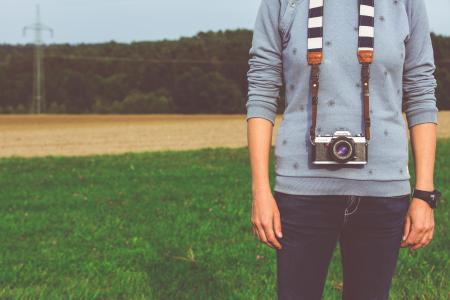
(340, 148)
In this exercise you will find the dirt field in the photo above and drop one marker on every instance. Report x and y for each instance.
(40, 135)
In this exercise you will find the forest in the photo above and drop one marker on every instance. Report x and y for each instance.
(205, 73)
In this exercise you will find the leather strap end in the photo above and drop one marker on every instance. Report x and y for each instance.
(315, 58)
(365, 56)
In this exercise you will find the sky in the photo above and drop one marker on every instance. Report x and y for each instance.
(94, 21)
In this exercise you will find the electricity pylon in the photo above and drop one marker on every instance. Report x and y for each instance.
(38, 87)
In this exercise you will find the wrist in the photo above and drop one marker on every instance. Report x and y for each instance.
(431, 197)
(429, 187)
(260, 188)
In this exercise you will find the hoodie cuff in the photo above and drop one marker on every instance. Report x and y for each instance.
(258, 111)
(422, 116)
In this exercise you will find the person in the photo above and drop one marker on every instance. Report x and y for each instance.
(321, 195)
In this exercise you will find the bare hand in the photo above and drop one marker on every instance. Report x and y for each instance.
(266, 219)
(419, 225)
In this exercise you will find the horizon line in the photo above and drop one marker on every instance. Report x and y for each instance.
(28, 43)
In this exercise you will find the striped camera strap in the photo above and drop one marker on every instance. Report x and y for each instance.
(364, 53)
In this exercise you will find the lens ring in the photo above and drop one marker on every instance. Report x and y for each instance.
(348, 148)
(342, 149)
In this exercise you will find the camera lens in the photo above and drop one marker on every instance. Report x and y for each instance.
(342, 149)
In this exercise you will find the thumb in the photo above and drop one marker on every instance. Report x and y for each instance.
(406, 228)
(277, 224)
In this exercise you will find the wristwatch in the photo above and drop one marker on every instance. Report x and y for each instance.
(430, 197)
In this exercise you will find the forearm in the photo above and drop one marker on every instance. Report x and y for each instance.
(423, 142)
(259, 136)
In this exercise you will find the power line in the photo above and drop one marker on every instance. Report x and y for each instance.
(38, 95)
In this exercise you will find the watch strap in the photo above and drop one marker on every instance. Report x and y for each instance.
(431, 197)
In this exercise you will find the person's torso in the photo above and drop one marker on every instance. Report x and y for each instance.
(340, 104)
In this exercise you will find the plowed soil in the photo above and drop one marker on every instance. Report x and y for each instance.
(41, 135)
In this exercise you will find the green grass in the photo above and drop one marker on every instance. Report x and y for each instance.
(162, 225)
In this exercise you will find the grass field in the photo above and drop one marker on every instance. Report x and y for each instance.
(163, 225)
(41, 135)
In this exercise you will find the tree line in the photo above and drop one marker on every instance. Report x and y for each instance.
(205, 73)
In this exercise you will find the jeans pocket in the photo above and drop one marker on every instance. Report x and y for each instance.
(309, 209)
(292, 202)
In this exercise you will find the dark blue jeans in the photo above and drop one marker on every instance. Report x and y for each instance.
(369, 230)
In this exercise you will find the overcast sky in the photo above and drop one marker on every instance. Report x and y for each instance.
(92, 21)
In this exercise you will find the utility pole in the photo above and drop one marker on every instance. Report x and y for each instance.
(38, 87)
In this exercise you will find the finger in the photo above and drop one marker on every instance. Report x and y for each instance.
(277, 224)
(406, 228)
(420, 244)
(262, 235)
(406, 232)
(256, 224)
(411, 240)
(273, 240)
(426, 236)
(270, 235)
(427, 241)
(417, 234)
(419, 237)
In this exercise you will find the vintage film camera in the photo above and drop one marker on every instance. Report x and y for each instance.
(340, 148)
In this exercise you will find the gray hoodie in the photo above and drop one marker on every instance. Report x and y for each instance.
(401, 80)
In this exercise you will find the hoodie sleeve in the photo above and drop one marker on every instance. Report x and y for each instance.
(265, 63)
(419, 83)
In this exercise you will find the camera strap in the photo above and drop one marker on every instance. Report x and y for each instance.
(364, 53)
